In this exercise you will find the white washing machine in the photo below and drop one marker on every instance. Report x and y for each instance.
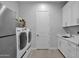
(22, 42)
(29, 34)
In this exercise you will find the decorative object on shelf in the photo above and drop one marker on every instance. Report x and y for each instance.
(20, 22)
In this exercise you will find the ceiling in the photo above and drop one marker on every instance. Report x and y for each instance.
(23, 2)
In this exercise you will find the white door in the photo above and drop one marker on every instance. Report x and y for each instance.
(42, 28)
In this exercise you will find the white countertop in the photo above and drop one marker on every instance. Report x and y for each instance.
(74, 39)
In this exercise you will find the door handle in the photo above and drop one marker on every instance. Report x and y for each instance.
(37, 35)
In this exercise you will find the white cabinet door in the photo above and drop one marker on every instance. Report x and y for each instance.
(64, 16)
(77, 52)
(71, 50)
(66, 49)
(60, 44)
(67, 14)
(75, 13)
(63, 46)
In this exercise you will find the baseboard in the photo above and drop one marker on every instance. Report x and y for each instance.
(34, 48)
(52, 48)
(45, 49)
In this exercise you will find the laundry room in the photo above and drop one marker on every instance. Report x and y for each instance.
(39, 29)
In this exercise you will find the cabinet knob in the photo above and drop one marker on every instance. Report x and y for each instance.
(37, 35)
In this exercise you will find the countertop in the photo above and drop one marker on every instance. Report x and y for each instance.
(74, 40)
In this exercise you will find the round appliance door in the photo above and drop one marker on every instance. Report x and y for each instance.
(29, 36)
(23, 40)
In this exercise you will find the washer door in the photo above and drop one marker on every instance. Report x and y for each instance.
(23, 40)
(29, 36)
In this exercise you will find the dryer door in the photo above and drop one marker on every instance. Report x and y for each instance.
(23, 40)
(29, 36)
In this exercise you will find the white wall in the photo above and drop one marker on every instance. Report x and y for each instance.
(28, 11)
(11, 5)
(56, 24)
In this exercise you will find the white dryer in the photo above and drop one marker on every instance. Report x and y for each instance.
(22, 42)
(29, 36)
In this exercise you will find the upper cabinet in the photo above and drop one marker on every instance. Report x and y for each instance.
(71, 14)
(67, 14)
(75, 13)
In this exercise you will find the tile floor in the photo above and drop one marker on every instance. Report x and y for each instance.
(46, 54)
